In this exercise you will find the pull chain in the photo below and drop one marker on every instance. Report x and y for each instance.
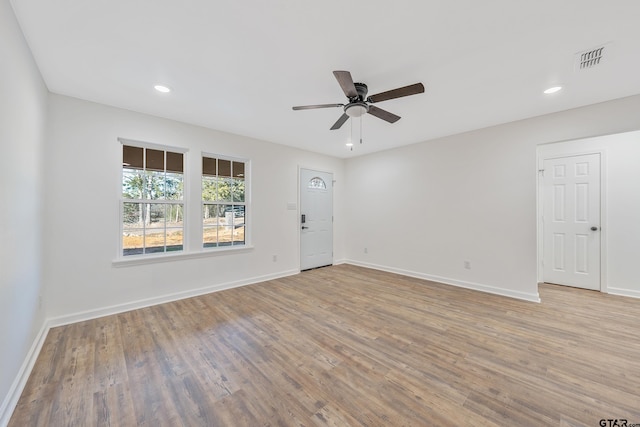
(351, 137)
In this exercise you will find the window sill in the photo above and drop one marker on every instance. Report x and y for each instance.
(153, 259)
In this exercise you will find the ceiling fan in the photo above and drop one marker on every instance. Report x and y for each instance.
(360, 104)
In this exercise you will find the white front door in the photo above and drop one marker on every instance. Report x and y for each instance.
(571, 221)
(316, 219)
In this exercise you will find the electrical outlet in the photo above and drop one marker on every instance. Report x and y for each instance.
(467, 265)
(366, 251)
(275, 258)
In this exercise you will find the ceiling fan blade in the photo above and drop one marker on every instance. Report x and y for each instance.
(413, 89)
(311, 107)
(343, 118)
(346, 83)
(383, 114)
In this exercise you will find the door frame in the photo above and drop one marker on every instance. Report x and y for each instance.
(567, 149)
(299, 211)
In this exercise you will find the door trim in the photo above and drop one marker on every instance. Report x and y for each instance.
(559, 150)
(299, 211)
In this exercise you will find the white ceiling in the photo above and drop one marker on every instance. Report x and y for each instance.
(239, 66)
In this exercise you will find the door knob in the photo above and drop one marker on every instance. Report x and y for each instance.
(594, 228)
(304, 228)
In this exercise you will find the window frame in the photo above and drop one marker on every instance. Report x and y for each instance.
(192, 234)
(246, 203)
(136, 258)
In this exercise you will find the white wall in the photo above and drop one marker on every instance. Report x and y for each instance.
(621, 204)
(426, 208)
(83, 168)
(23, 99)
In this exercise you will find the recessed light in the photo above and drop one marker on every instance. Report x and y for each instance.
(349, 144)
(162, 88)
(553, 90)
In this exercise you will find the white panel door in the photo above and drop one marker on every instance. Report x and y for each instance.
(316, 219)
(571, 221)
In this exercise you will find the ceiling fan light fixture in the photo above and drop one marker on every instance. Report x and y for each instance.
(356, 110)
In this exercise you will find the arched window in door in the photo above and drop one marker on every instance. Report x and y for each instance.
(317, 183)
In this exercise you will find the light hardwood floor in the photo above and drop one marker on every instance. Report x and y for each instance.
(345, 346)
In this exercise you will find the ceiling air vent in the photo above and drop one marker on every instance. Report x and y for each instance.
(590, 58)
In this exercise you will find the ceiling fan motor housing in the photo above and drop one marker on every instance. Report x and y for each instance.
(362, 90)
(358, 106)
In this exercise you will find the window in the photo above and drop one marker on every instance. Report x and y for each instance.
(224, 206)
(317, 183)
(152, 206)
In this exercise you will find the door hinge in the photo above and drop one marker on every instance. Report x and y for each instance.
(541, 171)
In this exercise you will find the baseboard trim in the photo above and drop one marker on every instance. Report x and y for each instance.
(148, 302)
(11, 399)
(535, 297)
(623, 292)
